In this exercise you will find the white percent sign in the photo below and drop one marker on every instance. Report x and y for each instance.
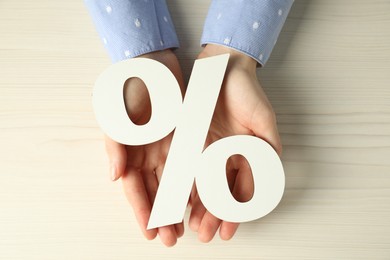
(187, 159)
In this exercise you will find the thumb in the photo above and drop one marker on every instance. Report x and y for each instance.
(264, 126)
(117, 156)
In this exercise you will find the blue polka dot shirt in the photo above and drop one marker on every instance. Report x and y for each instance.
(129, 28)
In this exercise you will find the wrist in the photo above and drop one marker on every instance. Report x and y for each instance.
(162, 56)
(168, 58)
(237, 58)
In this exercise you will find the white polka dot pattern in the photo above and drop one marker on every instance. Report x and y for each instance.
(129, 28)
(249, 26)
(137, 23)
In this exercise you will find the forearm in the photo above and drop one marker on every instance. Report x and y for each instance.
(130, 28)
(251, 26)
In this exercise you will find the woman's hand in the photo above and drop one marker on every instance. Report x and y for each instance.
(242, 109)
(140, 167)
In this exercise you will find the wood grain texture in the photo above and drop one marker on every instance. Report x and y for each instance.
(328, 80)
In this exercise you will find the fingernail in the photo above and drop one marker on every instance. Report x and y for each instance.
(113, 172)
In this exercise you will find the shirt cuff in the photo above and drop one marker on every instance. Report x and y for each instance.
(250, 26)
(129, 28)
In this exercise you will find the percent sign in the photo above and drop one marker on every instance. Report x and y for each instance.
(187, 159)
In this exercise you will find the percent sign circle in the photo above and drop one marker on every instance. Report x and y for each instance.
(110, 109)
(186, 160)
(262, 158)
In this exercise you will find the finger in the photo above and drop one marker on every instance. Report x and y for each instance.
(243, 188)
(197, 213)
(159, 171)
(193, 195)
(232, 165)
(179, 229)
(208, 227)
(168, 235)
(180, 226)
(151, 184)
(227, 230)
(135, 192)
(198, 210)
(242, 191)
(117, 156)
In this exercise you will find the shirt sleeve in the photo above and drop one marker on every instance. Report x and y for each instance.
(248, 26)
(129, 28)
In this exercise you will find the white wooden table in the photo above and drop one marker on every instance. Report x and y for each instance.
(328, 80)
